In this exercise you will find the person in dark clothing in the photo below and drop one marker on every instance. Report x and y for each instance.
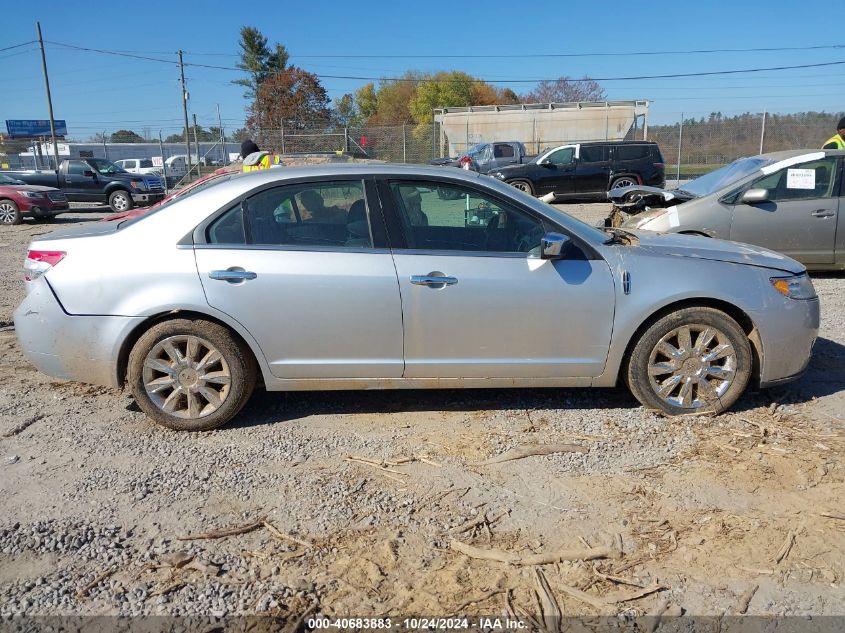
(248, 147)
(837, 141)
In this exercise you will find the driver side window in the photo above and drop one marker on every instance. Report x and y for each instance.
(805, 181)
(449, 217)
(562, 156)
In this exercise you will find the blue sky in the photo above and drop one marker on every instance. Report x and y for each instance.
(97, 92)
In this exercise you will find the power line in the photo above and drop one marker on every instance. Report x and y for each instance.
(8, 48)
(601, 54)
(509, 81)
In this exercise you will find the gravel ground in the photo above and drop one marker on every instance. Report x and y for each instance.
(97, 500)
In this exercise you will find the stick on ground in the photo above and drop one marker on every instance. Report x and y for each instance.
(512, 558)
(232, 531)
(83, 591)
(285, 537)
(528, 450)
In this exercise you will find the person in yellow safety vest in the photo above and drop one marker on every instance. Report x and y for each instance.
(837, 141)
(254, 159)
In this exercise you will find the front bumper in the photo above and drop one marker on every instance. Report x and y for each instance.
(787, 335)
(83, 348)
(147, 198)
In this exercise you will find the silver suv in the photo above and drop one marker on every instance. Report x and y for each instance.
(361, 277)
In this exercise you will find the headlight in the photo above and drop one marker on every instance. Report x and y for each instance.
(499, 175)
(34, 194)
(795, 287)
(139, 184)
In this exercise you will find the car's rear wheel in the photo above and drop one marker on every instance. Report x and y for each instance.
(695, 360)
(120, 200)
(190, 375)
(9, 213)
(624, 181)
(522, 185)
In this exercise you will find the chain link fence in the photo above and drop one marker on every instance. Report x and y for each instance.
(690, 146)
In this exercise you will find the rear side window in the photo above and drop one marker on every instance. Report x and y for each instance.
(503, 151)
(631, 152)
(328, 214)
(593, 154)
(146, 163)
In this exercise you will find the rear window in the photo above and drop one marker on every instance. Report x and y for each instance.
(632, 152)
(503, 151)
(593, 154)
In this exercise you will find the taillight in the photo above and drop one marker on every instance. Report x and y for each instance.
(465, 162)
(659, 165)
(39, 262)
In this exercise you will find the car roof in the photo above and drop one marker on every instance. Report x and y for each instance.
(354, 169)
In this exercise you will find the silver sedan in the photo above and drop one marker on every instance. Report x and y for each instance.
(790, 201)
(386, 277)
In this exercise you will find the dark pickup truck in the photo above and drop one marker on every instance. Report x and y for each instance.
(488, 156)
(97, 180)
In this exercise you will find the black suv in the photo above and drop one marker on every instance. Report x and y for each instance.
(588, 170)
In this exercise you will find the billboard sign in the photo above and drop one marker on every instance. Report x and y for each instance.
(28, 128)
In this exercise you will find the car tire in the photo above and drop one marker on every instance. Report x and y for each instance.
(190, 374)
(522, 185)
(120, 200)
(624, 181)
(10, 214)
(694, 360)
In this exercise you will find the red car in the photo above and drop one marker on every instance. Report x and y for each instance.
(197, 185)
(18, 199)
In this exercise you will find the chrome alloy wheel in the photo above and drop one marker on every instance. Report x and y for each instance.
(186, 376)
(120, 202)
(521, 185)
(692, 366)
(7, 213)
(625, 182)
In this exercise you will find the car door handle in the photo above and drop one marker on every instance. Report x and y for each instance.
(433, 281)
(232, 276)
(822, 213)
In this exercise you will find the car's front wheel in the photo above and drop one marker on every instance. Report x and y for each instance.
(694, 360)
(120, 200)
(9, 213)
(190, 375)
(522, 185)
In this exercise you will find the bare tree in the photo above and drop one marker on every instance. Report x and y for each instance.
(565, 89)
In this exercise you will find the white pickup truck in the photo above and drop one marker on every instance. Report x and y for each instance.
(139, 166)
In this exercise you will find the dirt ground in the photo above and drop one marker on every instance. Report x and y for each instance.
(364, 495)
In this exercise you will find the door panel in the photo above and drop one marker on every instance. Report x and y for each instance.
(319, 298)
(593, 170)
(800, 217)
(556, 174)
(506, 317)
(314, 314)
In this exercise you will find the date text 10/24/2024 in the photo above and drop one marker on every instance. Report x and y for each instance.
(417, 624)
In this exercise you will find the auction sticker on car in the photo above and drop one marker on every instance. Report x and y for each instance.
(800, 178)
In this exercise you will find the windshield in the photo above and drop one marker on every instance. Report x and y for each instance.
(6, 180)
(724, 176)
(105, 167)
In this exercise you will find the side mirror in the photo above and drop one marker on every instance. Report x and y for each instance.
(552, 245)
(754, 196)
(88, 173)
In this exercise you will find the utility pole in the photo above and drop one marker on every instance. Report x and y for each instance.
(197, 145)
(185, 110)
(680, 144)
(222, 137)
(763, 132)
(49, 98)
(163, 163)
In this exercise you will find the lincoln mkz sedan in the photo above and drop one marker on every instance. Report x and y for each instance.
(385, 276)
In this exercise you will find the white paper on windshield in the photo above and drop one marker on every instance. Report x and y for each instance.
(800, 178)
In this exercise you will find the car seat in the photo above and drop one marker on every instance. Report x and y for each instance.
(357, 227)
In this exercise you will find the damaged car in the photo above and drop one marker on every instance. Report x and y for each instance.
(789, 201)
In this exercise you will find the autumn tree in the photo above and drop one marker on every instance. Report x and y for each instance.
(366, 101)
(566, 89)
(293, 98)
(258, 60)
(345, 112)
(126, 136)
(445, 89)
